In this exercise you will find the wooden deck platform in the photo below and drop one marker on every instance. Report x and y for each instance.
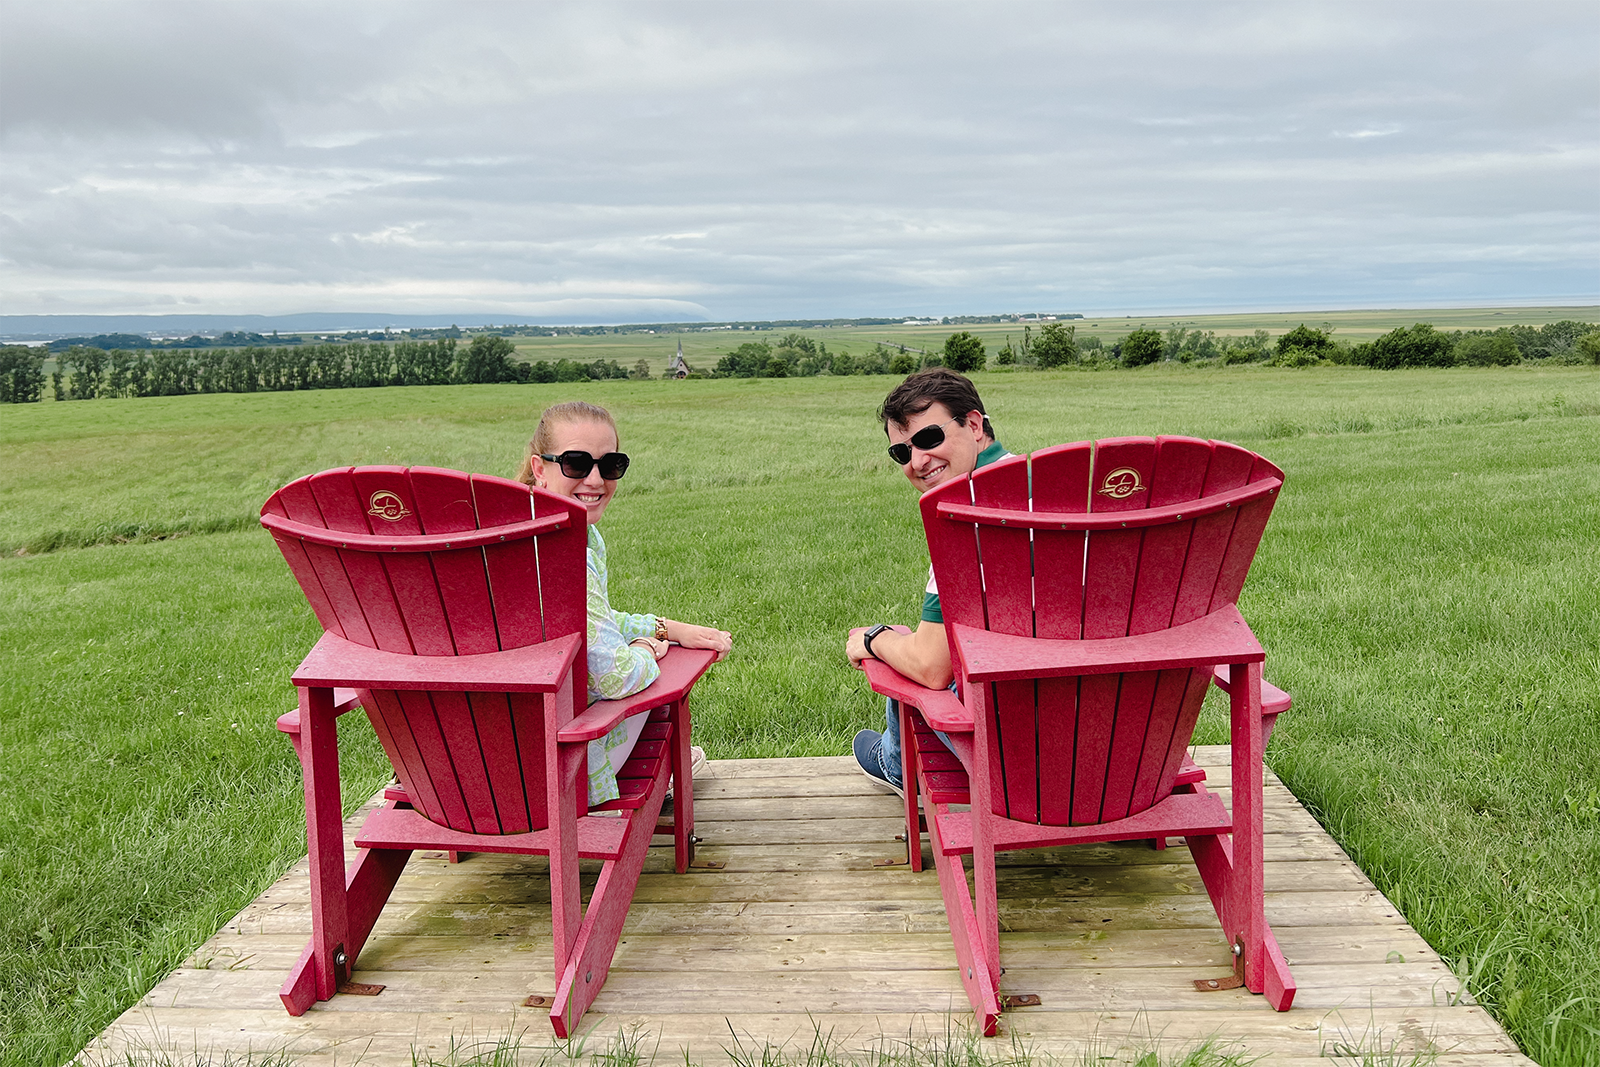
(800, 930)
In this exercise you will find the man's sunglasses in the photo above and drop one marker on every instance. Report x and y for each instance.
(577, 465)
(926, 438)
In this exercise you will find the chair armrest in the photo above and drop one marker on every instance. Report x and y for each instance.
(1274, 701)
(541, 668)
(680, 669)
(941, 708)
(1221, 637)
(343, 700)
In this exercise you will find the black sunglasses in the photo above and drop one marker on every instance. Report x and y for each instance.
(575, 464)
(925, 438)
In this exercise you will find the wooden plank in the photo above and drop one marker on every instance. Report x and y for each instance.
(1016, 883)
(883, 827)
(1109, 935)
(843, 989)
(845, 917)
(387, 1036)
(523, 951)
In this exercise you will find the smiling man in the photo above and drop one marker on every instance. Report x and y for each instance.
(937, 430)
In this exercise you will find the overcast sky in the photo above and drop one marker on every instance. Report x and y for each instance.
(593, 162)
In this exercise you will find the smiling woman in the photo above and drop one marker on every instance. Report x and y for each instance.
(574, 453)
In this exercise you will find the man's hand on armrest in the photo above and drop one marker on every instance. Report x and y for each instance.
(922, 655)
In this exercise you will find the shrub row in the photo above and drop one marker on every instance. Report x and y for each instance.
(21, 374)
(87, 373)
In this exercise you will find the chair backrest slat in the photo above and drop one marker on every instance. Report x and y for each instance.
(1099, 747)
(341, 508)
(445, 505)
(1178, 477)
(474, 762)
(1097, 717)
(415, 714)
(458, 728)
(1015, 716)
(1005, 554)
(1058, 745)
(953, 548)
(1248, 528)
(513, 567)
(1060, 484)
(391, 723)
(1122, 468)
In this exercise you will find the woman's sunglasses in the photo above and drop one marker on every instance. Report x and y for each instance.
(577, 465)
(926, 438)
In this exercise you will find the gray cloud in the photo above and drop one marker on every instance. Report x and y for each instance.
(744, 160)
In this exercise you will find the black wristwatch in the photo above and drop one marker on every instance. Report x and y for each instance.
(866, 638)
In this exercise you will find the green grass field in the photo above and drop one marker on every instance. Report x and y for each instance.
(1427, 591)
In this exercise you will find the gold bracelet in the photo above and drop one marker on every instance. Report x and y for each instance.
(661, 628)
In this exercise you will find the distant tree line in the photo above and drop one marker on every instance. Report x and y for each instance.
(21, 374)
(798, 356)
(88, 372)
(1565, 342)
(112, 342)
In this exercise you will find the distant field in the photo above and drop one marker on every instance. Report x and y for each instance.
(702, 348)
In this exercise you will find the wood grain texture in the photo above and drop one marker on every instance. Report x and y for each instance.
(796, 934)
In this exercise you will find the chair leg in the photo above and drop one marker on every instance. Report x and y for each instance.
(683, 787)
(1233, 868)
(910, 779)
(580, 980)
(371, 881)
(980, 982)
(325, 962)
(564, 776)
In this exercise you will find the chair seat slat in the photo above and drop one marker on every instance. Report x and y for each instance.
(1221, 636)
(534, 669)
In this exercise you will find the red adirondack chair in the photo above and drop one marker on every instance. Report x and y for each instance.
(454, 614)
(1089, 599)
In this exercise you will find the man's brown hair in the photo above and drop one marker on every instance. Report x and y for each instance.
(936, 385)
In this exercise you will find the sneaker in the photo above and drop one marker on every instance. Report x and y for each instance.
(868, 750)
(697, 765)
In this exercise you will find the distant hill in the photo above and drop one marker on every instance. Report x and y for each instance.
(130, 331)
(52, 326)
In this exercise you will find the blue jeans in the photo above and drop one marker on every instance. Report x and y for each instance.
(890, 745)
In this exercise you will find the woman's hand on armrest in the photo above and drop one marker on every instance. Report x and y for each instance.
(691, 636)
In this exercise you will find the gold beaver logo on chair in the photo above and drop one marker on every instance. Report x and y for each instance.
(386, 505)
(1121, 484)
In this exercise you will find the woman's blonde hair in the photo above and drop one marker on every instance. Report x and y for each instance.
(558, 415)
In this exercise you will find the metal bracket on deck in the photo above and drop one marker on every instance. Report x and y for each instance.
(360, 989)
(1211, 985)
(536, 1001)
(891, 862)
(707, 865)
(1020, 1000)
